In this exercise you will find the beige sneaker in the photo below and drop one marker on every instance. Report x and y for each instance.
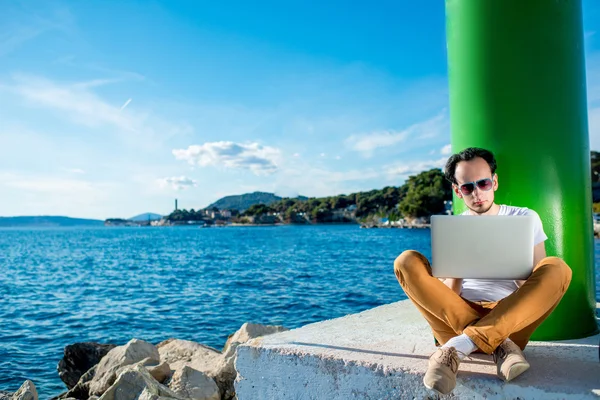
(441, 373)
(510, 361)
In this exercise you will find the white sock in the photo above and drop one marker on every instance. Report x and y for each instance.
(463, 345)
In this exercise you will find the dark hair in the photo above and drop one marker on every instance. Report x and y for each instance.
(467, 155)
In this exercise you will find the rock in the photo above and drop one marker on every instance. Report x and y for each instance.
(4, 395)
(81, 391)
(106, 371)
(78, 359)
(179, 353)
(136, 383)
(192, 384)
(225, 374)
(27, 391)
(160, 372)
(214, 364)
(184, 353)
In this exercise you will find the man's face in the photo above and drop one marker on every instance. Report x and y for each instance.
(479, 201)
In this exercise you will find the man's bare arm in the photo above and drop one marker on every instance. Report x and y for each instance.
(539, 253)
(454, 284)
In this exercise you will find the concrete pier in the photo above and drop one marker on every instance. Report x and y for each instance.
(382, 353)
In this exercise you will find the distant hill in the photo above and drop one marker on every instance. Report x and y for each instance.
(47, 221)
(244, 201)
(146, 217)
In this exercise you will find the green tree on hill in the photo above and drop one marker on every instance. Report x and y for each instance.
(258, 209)
(595, 164)
(425, 194)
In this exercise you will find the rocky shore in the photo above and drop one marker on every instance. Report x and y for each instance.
(171, 370)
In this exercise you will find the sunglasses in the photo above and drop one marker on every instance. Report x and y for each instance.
(482, 184)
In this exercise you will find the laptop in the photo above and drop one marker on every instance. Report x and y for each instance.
(482, 247)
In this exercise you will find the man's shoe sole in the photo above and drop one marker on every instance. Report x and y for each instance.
(435, 390)
(516, 370)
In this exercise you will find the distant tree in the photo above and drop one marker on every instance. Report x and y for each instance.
(338, 202)
(321, 215)
(425, 194)
(595, 164)
(391, 197)
(258, 209)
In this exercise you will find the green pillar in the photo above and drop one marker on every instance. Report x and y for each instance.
(517, 87)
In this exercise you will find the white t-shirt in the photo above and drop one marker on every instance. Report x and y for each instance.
(494, 290)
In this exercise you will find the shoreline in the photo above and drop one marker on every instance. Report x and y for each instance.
(237, 225)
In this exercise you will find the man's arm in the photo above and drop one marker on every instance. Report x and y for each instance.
(539, 253)
(453, 283)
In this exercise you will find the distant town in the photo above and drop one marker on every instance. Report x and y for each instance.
(409, 205)
(221, 218)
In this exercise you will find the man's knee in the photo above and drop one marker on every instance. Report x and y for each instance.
(407, 260)
(557, 270)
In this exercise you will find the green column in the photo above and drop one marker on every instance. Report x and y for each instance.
(517, 87)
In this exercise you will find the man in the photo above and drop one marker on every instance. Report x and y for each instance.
(493, 316)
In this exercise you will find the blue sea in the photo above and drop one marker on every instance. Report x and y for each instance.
(108, 285)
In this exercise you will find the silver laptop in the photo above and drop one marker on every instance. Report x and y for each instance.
(482, 247)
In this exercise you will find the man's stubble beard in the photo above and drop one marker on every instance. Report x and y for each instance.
(481, 212)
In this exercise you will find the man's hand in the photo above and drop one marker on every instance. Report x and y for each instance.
(454, 283)
(539, 253)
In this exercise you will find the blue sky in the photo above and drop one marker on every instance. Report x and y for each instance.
(110, 109)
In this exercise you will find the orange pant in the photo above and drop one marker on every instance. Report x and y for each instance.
(488, 324)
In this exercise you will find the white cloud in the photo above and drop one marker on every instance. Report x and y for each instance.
(50, 195)
(447, 149)
(259, 159)
(177, 182)
(46, 184)
(372, 141)
(25, 22)
(77, 102)
(368, 143)
(311, 181)
(416, 167)
(74, 170)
